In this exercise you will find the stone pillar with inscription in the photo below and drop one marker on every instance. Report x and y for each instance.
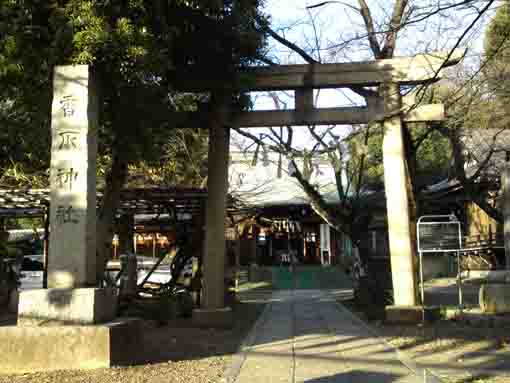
(72, 296)
(73, 179)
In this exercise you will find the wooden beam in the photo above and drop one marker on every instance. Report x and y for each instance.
(333, 116)
(414, 70)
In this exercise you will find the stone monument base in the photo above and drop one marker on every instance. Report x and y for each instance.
(31, 349)
(219, 318)
(494, 298)
(66, 306)
(404, 314)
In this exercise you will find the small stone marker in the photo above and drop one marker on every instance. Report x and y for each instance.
(73, 179)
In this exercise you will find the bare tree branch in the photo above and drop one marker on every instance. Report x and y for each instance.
(483, 164)
(395, 26)
(266, 60)
(369, 25)
(265, 27)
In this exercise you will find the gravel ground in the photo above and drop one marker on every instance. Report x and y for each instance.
(190, 371)
(173, 353)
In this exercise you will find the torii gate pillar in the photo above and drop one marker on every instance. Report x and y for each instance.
(397, 203)
(213, 312)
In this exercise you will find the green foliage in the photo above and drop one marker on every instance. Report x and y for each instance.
(497, 52)
(182, 160)
(137, 48)
(432, 156)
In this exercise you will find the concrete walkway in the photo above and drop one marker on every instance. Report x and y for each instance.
(305, 336)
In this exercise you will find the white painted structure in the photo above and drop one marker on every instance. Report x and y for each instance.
(325, 244)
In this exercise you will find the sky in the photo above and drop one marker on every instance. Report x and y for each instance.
(338, 22)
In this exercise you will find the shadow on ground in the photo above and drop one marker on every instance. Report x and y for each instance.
(356, 376)
(460, 354)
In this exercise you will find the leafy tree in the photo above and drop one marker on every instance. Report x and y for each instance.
(497, 53)
(137, 50)
(432, 157)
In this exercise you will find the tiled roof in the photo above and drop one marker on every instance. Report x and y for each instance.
(32, 202)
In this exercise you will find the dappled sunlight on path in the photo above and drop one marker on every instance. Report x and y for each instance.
(305, 336)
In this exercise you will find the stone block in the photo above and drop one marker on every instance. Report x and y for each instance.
(218, 318)
(495, 298)
(404, 314)
(66, 306)
(31, 349)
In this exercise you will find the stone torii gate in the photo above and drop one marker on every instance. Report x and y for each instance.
(73, 184)
(391, 108)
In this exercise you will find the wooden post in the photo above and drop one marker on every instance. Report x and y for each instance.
(397, 200)
(505, 184)
(288, 241)
(46, 247)
(237, 248)
(252, 241)
(270, 246)
(214, 259)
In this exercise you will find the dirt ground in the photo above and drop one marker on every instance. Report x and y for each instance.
(176, 354)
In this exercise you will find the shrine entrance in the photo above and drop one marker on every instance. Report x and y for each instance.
(73, 221)
(386, 106)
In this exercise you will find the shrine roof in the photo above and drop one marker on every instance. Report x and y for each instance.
(33, 202)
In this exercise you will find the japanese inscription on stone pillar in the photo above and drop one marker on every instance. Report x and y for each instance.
(73, 179)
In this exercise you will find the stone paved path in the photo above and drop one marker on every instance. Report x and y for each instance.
(305, 336)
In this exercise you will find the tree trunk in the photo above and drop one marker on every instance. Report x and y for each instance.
(469, 185)
(105, 220)
(125, 230)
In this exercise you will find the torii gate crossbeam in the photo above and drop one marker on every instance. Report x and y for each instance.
(389, 75)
